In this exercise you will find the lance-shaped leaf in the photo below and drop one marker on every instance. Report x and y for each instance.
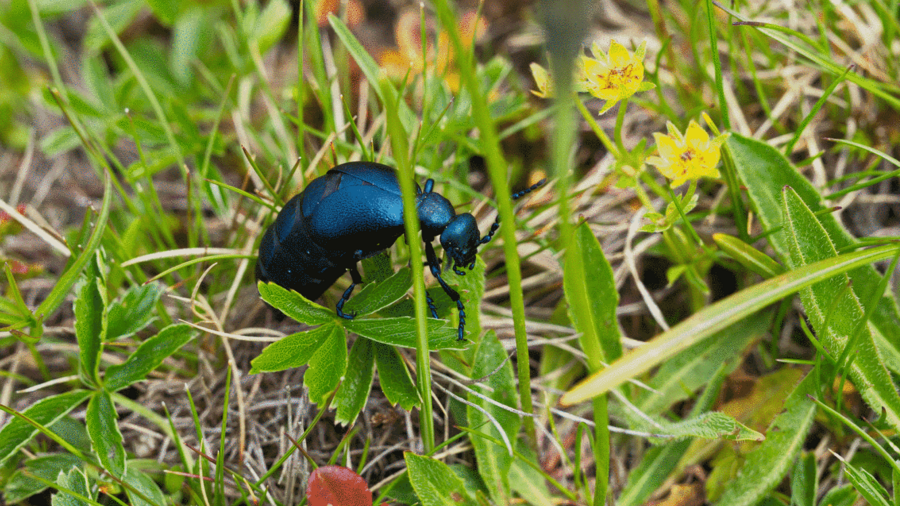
(148, 356)
(765, 171)
(394, 377)
(104, 433)
(90, 327)
(835, 311)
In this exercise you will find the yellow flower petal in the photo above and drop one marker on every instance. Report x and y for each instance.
(618, 55)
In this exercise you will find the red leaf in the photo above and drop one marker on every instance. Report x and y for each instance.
(337, 486)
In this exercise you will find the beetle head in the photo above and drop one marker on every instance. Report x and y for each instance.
(460, 239)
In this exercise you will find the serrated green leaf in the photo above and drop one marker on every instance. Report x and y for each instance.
(435, 483)
(90, 329)
(767, 465)
(327, 365)
(394, 378)
(146, 486)
(21, 486)
(494, 461)
(17, 432)
(271, 24)
(75, 480)
(104, 432)
(401, 331)
(133, 312)
(833, 303)
(765, 171)
(376, 296)
(351, 398)
(148, 356)
(294, 305)
(291, 351)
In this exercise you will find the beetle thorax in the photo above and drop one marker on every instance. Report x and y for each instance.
(435, 212)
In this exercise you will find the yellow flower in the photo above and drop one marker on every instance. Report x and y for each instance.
(689, 156)
(615, 76)
(542, 80)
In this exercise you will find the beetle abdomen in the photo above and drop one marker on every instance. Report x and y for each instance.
(290, 258)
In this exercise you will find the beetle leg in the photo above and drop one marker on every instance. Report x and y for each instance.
(357, 279)
(453, 294)
(431, 305)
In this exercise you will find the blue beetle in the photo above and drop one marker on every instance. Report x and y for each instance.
(353, 212)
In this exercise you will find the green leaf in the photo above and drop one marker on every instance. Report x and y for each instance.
(351, 398)
(294, 305)
(164, 10)
(118, 15)
(377, 268)
(271, 24)
(327, 365)
(146, 486)
(97, 80)
(765, 171)
(104, 432)
(190, 39)
(17, 432)
(840, 496)
(691, 369)
(711, 319)
(711, 425)
(833, 303)
(656, 465)
(59, 141)
(435, 483)
(133, 312)
(21, 486)
(90, 329)
(866, 484)
(494, 461)
(393, 376)
(148, 356)
(376, 296)
(804, 481)
(291, 351)
(766, 466)
(75, 481)
(528, 482)
(401, 331)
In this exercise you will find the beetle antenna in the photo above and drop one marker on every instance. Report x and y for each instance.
(515, 196)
